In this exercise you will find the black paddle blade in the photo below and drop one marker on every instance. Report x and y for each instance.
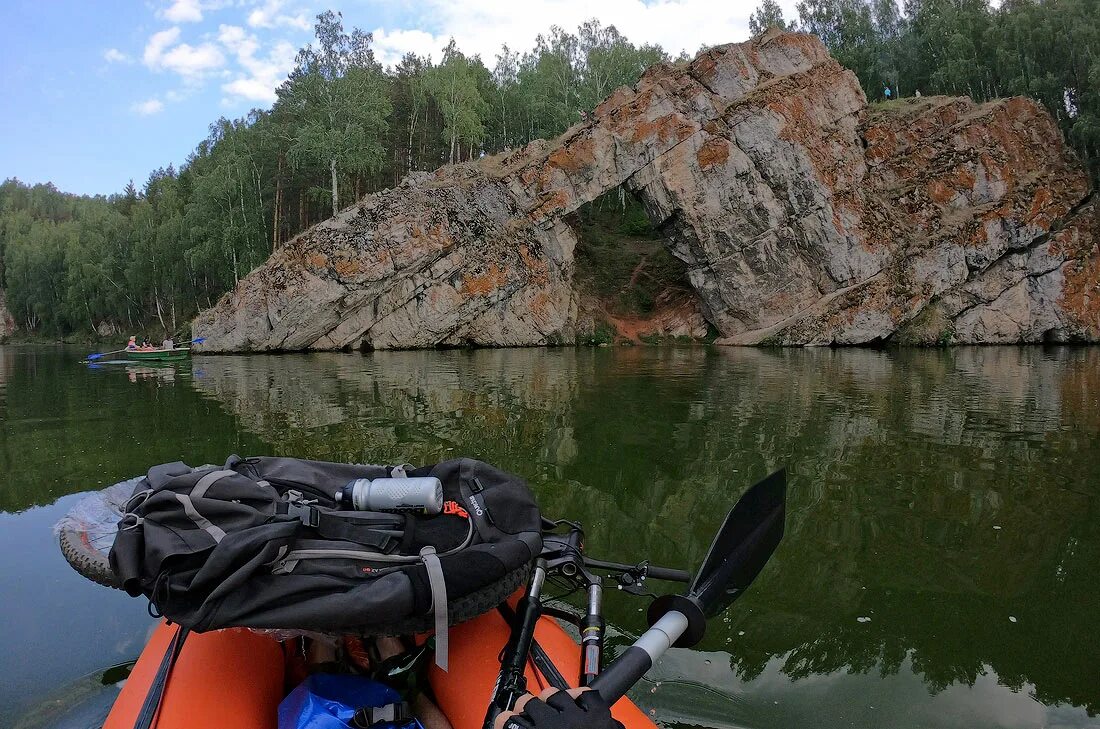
(743, 545)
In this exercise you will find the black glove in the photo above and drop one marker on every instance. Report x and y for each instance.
(573, 709)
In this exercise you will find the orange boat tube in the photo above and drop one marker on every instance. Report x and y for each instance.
(226, 678)
(236, 678)
(464, 693)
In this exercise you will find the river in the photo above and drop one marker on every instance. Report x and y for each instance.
(943, 529)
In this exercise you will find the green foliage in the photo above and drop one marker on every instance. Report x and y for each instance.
(147, 259)
(621, 259)
(453, 84)
(335, 99)
(1045, 49)
(768, 15)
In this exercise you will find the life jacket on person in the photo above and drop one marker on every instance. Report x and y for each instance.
(260, 543)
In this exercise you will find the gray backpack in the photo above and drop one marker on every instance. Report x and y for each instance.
(260, 543)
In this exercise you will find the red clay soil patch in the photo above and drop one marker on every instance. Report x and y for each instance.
(672, 310)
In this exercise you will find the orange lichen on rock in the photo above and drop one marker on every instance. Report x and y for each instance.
(486, 283)
(540, 306)
(550, 204)
(667, 128)
(536, 266)
(714, 151)
(574, 157)
(346, 267)
(940, 191)
(1081, 293)
(1079, 244)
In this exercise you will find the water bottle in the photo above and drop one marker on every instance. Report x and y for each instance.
(419, 493)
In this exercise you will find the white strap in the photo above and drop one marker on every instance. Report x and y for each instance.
(439, 603)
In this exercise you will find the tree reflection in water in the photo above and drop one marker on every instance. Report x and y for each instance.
(936, 493)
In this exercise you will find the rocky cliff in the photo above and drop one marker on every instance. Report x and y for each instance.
(803, 217)
(7, 322)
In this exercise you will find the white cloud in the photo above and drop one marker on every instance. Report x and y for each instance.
(158, 42)
(183, 11)
(269, 15)
(191, 62)
(482, 26)
(147, 107)
(258, 77)
(391, 45)
(114, 55)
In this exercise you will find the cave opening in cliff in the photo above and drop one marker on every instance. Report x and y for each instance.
(630, 286)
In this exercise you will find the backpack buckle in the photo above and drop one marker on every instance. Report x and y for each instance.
(302, 509)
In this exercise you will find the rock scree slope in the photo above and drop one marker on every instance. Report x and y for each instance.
(803, 215)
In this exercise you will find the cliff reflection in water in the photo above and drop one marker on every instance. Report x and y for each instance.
(939, 494)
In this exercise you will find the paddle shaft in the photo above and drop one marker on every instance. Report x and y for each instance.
(98, 355)
(635, 661)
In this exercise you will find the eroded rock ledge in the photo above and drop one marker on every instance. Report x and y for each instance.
(804, 217)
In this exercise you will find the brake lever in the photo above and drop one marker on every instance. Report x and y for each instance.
(633, 582)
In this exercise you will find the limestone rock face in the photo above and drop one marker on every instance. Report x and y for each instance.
(7, 322)
(804, 217)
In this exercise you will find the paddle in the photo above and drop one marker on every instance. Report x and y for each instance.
(101, 355)
(748, 537)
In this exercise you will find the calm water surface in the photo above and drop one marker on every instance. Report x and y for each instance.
(943, 534)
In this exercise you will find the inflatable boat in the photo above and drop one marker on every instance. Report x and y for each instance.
(222, 658)
(236, 678)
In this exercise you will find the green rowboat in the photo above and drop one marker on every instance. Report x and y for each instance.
(161, 355)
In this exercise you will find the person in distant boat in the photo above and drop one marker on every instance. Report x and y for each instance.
(132, 344)
(167, 343)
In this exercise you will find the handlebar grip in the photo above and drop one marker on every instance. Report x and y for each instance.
(635, 661)
(623, 673)
(657, 573)
(664, 573)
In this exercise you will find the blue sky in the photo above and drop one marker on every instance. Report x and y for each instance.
(99, 92)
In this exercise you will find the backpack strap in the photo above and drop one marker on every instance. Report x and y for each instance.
(439, 603)
(369, 528)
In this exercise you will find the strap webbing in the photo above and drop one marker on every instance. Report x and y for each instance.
(147, 717)
(439, 603)
(369, 528)
(207, 481)
(362, 527)
(216, 532)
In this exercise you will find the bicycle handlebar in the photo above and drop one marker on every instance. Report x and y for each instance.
(657, 573)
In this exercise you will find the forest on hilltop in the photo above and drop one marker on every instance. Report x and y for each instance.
(148, 258)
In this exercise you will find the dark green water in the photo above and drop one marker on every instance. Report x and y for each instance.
(950, 497)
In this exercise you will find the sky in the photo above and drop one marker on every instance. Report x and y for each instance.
(94, 93)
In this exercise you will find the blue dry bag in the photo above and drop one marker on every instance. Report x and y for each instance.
(329, 701)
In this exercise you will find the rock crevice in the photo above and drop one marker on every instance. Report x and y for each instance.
(803, 217)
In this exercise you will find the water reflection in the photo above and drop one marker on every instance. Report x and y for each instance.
(943, 504)
(943, 535)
